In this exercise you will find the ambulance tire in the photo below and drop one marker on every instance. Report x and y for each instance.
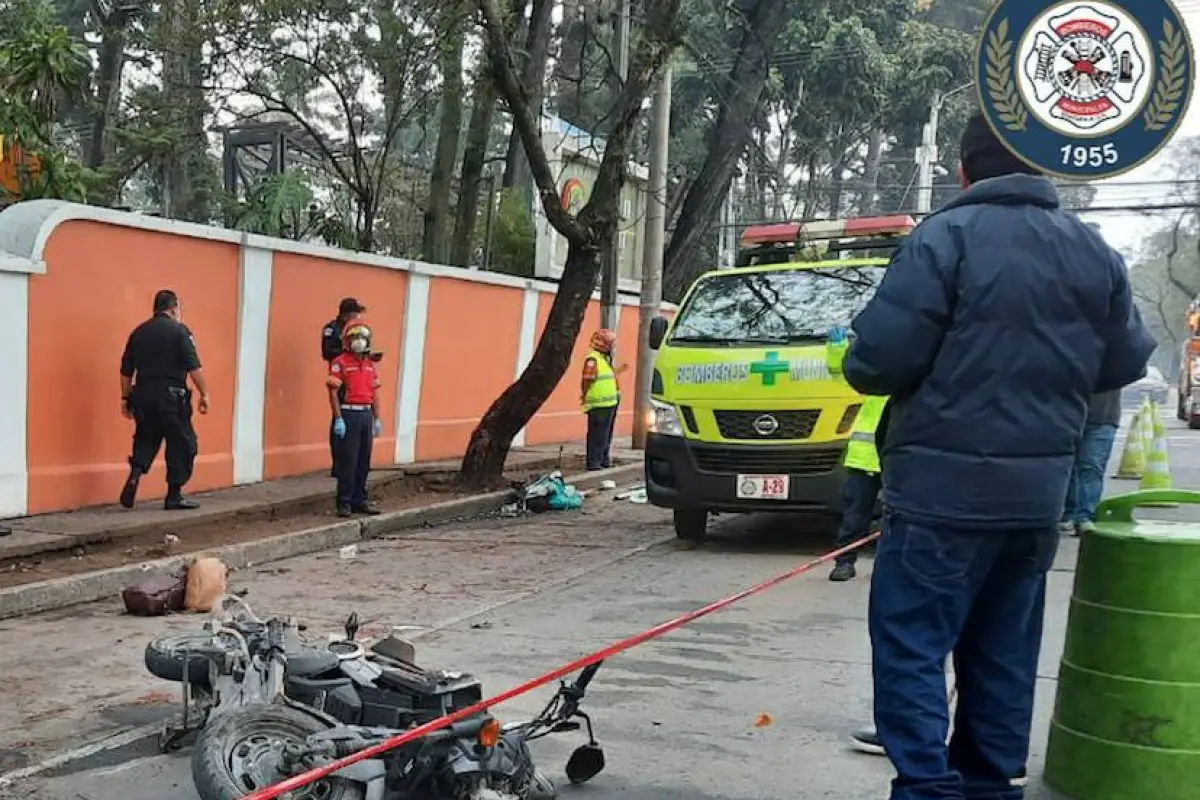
(691, 524)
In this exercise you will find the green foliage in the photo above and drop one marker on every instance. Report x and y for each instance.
(513, 235)
(41, 66)
(285, 206)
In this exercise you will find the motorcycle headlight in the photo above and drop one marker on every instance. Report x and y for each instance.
(665, 419)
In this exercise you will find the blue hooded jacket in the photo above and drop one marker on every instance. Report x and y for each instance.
(996, 321)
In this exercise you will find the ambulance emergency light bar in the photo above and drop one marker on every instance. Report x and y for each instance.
(778, 242)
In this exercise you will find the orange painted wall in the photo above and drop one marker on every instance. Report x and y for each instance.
(560, 419)
(100, 283)
(471, 344)
(305, 291)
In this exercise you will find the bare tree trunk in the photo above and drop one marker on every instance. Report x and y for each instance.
(596, 222)
(185, 189)
(869, 201)
(479, 131)
(109, 72)
(483, 463)
(533, 78)
(730, 135)
(435, 247)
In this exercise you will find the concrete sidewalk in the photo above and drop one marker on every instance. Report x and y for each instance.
(74, 530)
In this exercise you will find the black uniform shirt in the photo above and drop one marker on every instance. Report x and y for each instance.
(160, 351)
(331, 339)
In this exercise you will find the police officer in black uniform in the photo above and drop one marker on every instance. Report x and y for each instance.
(331, 345)
(159, 358)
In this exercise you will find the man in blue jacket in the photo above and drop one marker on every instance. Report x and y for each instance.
(998, 318)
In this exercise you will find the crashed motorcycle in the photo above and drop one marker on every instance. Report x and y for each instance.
(268, 705)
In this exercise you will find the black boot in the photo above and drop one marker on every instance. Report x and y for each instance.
(129, 490)
(177, 502)
(843, 571)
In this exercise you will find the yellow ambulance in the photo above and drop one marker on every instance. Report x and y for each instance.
(746, 414)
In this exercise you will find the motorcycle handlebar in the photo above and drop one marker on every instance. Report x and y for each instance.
(586, 676)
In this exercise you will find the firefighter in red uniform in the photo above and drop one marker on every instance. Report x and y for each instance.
(356, 420)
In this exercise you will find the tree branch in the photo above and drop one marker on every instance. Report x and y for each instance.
(525, 121)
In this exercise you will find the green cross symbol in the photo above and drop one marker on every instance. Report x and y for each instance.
(769, 368)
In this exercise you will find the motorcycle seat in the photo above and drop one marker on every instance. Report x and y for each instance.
(310, 662)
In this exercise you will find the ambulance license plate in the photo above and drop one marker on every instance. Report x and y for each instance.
(762, 487)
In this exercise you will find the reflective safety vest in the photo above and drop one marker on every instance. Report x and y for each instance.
(603, 393)
(861, 453)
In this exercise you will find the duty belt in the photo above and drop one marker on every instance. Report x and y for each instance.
(354, 407)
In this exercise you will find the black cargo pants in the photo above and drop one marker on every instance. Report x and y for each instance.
(164, 413)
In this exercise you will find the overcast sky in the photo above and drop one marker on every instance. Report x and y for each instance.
(1141, 187)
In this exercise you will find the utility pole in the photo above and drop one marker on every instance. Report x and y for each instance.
(728, 238)
(927, 156)
(610, 307)
(652, 255)
(927, 153)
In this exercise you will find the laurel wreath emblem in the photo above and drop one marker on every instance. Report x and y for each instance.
(1167, 99)
(1001, 84)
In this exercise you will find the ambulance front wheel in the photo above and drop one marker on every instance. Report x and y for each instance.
(691, 524)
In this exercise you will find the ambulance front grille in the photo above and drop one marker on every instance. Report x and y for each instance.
(766, 460)
(789, 425)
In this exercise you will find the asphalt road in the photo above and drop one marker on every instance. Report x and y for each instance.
(677, 715)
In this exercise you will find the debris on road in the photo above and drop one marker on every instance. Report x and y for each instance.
(546, 493)
(635, 495)
(207, 582)
(348, 552)
(156, 594)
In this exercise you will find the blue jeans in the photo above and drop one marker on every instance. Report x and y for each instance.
(860, 490)
(980, 596)
(1087, 478)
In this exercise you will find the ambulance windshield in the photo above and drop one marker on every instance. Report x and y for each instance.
(780, 307)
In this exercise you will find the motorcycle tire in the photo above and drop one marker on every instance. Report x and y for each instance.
(165, 656)
(248, 733)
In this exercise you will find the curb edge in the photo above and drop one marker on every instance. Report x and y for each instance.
(87, 587)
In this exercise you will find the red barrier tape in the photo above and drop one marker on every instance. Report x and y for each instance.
(325, 770)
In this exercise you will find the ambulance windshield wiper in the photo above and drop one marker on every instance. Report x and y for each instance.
(722, 342)
(807, 337)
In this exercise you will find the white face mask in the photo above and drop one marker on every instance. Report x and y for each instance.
(359, 345)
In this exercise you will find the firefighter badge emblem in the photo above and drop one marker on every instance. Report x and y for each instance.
(1085, 89)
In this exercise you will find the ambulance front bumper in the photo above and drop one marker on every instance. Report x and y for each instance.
(688, 474)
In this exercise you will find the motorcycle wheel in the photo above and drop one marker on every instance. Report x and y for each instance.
(165, 657)
(236, 754)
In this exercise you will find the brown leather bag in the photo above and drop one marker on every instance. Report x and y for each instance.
(156, 594)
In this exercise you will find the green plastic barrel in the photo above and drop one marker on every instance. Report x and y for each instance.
(1127, 717)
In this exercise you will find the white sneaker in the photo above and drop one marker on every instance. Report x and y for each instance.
(1067, 529)
(866, 740)
(1087, 526)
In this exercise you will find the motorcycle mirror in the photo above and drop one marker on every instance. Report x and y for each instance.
(585, 763)
(351, 627)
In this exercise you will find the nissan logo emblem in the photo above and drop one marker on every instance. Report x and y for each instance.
(766, 425)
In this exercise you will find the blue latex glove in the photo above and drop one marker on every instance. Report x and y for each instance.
(339, 428)
(838, 335)
(378, 428)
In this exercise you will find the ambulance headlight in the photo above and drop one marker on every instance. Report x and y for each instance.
(664, 419)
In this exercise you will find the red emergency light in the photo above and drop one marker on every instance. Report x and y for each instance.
(854, 228)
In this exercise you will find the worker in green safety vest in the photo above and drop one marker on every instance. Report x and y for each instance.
(600, 397)
(863, 483)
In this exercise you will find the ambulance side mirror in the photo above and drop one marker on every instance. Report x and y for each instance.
(658, 332)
